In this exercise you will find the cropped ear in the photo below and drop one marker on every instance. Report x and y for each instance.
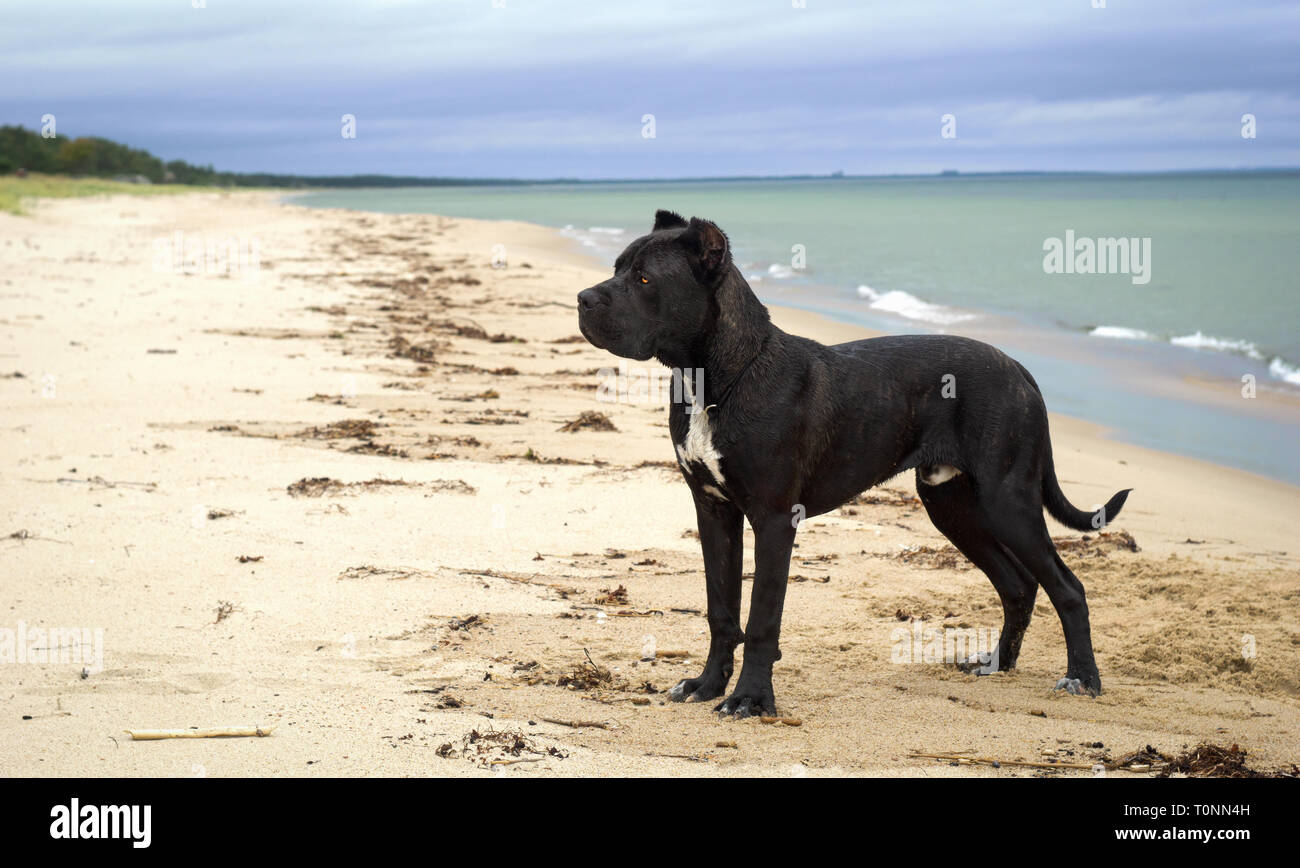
(667, 220)
(708, 244)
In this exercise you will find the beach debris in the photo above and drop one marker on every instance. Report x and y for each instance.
(23, 535)
(589, 420)
(587, 675)
(216, 513)
(224, 610)
(884, 497)
(471, 329)
(962, 759)
(1215, 761)
(1142, 760)
(1098, 545)
(315, 486)
(947, 557)
(366, 571)
(322, 398)
(250, 559)
(785, 721)
(581, 724)
(361, 429)
(616, 597)
(821, 580)
(485, 395)
(465, 623)
(500, 747)
(1203, 761)
(403, 349)
(536, 458)
(457, 486)
(195, 732)
(101, 482)
(930, 557)
(695, 758)
(319, 486)
(370, 447)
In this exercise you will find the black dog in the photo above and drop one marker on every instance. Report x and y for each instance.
(780, 427)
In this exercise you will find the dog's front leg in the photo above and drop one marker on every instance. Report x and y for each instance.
(721, 527)
(773, 541)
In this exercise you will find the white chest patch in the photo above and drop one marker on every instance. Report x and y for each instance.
(698, 447)
(938, 474)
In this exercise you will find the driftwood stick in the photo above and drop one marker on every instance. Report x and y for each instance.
(216, 732)
(989, 761)
(578, 724)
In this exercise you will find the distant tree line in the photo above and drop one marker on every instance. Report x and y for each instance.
(91, 156)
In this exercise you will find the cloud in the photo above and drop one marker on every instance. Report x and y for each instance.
(560, 86)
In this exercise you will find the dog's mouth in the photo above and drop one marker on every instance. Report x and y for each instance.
(586, 333)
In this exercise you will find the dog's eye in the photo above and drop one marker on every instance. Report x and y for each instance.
(644, 279)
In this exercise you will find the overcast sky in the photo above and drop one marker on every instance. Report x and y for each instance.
(558, 88)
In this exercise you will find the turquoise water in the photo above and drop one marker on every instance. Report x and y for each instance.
(1217, 300)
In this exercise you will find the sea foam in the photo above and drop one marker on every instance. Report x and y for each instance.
(1121, 333)
(1200, 341)
(906, 305)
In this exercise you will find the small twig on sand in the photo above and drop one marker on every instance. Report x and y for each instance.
(979, 760)
(218, 732)
(107, 483)
(579, 724)
(23, 535)
(683, 756)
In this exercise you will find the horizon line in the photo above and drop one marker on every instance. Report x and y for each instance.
(829, 176)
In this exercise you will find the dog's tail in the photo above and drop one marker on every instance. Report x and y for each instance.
(1070, 516)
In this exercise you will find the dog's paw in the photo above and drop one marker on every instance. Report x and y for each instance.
(748, 703)
(1080, 686)
(700, 689)
(984, 663)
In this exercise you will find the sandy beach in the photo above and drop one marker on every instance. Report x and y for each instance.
(356, 499)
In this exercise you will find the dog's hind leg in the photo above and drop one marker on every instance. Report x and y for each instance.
(1023, 531)
(954, 510)
(722, 542)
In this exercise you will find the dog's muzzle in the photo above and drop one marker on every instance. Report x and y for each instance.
(589, 301)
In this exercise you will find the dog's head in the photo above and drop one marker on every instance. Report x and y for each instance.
(660, 300)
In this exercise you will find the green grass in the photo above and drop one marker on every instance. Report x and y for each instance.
(13, 190)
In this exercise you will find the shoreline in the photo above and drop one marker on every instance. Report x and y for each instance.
(340, 500)
(1143, 380)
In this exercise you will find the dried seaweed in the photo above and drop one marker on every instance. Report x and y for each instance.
(589, 420)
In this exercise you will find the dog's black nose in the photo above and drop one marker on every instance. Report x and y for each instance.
(587, 299)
